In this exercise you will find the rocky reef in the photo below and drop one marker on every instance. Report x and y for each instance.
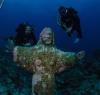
(14, 80)
(82, 79)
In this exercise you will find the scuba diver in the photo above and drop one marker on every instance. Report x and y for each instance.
(70, 22)
(25, 35)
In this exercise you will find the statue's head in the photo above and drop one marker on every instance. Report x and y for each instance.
(47, 36)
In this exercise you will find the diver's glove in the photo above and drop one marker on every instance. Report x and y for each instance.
(76, 40)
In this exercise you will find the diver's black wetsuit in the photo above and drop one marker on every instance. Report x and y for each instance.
(70, 19)
(23, 38)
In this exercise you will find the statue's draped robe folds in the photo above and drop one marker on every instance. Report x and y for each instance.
(52, 60)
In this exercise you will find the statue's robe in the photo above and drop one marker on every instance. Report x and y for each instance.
(52, 60)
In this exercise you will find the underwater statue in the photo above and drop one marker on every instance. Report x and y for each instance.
(44, 60)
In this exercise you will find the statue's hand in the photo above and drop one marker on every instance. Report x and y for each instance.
(62, 68)
(80, 55)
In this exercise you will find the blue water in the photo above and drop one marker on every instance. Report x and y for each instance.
(42, 13)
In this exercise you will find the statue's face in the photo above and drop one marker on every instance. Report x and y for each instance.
(47, 38)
